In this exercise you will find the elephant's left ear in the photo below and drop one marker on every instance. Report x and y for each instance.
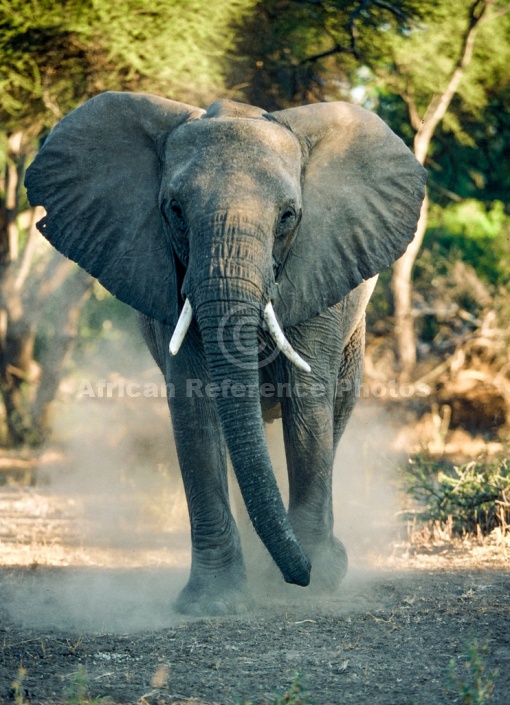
(362, 193)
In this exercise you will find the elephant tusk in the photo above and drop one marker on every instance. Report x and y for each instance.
(281, 341)
(181, 328)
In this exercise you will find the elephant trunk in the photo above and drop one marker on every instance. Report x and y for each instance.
(227, 295)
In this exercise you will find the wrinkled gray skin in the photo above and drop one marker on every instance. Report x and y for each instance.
(232, 208)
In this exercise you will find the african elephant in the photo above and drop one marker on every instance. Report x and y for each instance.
(224, 228)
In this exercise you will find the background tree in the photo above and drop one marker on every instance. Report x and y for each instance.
(437, 72)
(54, 54)
(427, 102)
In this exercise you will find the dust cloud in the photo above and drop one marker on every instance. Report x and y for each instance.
(126, 548)
(364, 493)
(108, 546)
(365, 504)
(365, 498)
(92, 600)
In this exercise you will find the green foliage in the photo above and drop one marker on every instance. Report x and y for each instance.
(169, 44)
(388, 56)
(56, 53)
(470, 219)
(473, 497)
(105, 317)
(288, 51)
(477, 234)
(474, 685)
(474, 166)
(429, 52)
(464, 266)
(468, 153)
(78, 690)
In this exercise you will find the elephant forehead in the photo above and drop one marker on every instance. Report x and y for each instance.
(240, 140)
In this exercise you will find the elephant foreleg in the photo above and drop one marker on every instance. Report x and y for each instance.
(217, 584)
(313, 424)
(309, 452)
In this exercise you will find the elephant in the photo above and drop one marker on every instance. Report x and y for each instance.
(249, 242)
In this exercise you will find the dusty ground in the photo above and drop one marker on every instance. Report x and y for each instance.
(93, 554)
(74, 626)
(387, 638)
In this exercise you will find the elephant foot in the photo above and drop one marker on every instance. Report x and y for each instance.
(208, 601)
(329, 566)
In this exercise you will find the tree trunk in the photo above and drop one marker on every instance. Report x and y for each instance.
(23, 292)
(54, 361)
(425, 127)
(401, 288)
(16, 368)
(14, 169)
(16, 333)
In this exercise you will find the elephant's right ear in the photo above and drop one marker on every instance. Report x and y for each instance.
(98, 177)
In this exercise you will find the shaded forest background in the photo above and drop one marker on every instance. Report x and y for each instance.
(435, 70)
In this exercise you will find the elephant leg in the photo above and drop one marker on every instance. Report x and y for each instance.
(217, 583)
(349, 380)
(308, 436)
(308, 429)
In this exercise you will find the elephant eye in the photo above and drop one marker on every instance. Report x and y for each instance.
(176, 215)
(287, 221)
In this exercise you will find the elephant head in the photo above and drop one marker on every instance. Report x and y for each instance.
(225, 215)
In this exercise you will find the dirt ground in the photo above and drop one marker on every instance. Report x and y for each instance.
(93, 552)
(386, 638)
(73, 627)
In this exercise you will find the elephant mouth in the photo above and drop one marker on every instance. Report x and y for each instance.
(272, 324)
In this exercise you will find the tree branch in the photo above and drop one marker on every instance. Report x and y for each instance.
(440, 103)
(414, 116)
(496, 13)
(408, 98)
(444, 191)
(29, 249)
(337, 49)
(391, 8)
(352, 28)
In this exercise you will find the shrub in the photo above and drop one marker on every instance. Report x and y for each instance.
(473, 497)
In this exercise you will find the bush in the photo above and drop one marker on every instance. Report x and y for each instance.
(474, 497)
(470, 679)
